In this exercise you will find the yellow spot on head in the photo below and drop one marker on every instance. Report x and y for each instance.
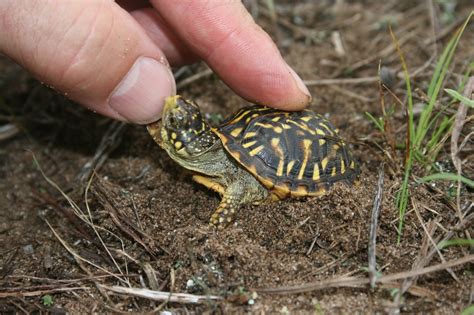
(343, 167)
(322, 142)
(320, 132)
(275, 119)
(278, 129)
(333, 173)
(173, 136)
(306, 118)
(178, 145)
(286, 126)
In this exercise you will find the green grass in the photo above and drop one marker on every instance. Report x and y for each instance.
(468, 311)
(448, 176)
(456, 242)
(460, 98)
(378, 122)
(47, 300)
(426, 135)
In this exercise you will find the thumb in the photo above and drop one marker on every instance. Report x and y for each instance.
(92, 51)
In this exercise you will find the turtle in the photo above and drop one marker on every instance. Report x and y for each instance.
(258, 154)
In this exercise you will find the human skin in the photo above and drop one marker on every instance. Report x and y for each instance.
(115, 57)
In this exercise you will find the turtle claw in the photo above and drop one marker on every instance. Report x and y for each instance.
(224, 214)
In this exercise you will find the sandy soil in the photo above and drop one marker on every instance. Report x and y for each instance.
(151, 220)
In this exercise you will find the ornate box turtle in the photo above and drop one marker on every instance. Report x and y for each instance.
(258, 154)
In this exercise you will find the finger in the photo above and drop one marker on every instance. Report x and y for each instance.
(224, 34)
(160, 33)
(92, 51)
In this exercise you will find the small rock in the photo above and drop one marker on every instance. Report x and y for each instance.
(190, 283)
(28, 249)
(387, 76)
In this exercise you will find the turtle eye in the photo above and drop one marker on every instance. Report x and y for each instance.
(175, 120)
(172, 121)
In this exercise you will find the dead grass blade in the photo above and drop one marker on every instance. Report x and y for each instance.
(21, 294)
(80, 258)
(182, 298)
(364, 80)
(373, 227)
(96, 230)
(430, 238)
(104, 196)
(110, 141)
(195, 77)
(356, 282)
(86, 218)
(455, 134)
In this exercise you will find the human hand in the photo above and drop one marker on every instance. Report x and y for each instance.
(115, 60)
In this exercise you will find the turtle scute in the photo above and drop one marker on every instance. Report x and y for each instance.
(291, 153)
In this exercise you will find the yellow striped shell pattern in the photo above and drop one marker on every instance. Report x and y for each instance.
(291, 153)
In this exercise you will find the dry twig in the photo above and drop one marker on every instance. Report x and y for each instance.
(183, 298)
(430, 238)
(106, 198)
(8, 131)
(109, 142)
(373, 227)
(195, 77)
(364, 80)
(21, 294)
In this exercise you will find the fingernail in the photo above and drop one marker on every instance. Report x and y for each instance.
(300, 84)
(140, 96)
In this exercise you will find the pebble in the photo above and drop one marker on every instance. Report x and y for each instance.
(28, 249)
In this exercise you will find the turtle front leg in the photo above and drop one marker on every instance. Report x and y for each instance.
(225, 213)
(209, 183)
(244, 189)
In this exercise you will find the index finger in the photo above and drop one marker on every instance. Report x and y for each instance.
(224, 35)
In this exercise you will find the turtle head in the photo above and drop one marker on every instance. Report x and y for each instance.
(182, 131)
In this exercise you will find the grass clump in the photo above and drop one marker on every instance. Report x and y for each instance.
(426, 135)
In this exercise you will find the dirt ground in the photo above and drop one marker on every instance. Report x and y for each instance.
(150, 221)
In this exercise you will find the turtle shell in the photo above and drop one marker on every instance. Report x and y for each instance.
(291, 153)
